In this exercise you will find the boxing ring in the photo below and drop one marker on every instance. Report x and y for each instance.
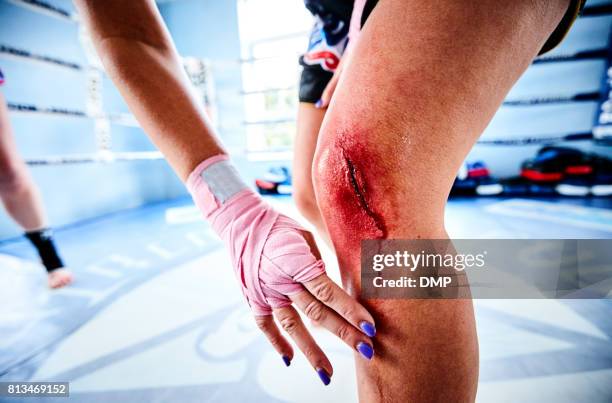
(155, 315)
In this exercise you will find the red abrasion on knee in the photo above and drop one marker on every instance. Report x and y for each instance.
(355, 213)
(374, 224)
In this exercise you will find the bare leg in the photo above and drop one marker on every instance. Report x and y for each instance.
(19, 194)
(424, 81)
(309, 121)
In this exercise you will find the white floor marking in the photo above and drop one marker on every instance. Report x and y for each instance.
(75, 291)
(162, 252)
(174, 298)
(207, 284)
(107, 291)
(500, 340)
(168, 364)
(128, 262)
(23, 298)
(547, 311)
(103, 271)
(299, 383)
(182, 215)
(233, 334)
(197, 238)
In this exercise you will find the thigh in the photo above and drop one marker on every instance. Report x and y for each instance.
(309, 121)
(327, 44)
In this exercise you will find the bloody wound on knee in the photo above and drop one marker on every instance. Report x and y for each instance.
(349, 196)
(375, 223)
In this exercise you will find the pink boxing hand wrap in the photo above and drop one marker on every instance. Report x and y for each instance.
(268, 251)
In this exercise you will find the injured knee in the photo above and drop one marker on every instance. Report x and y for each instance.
(350, 193)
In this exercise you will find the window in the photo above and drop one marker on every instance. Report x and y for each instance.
(273, 33)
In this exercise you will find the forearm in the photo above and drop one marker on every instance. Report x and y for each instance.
(140, 58)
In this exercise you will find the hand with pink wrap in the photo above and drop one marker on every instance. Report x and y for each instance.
(276, 262)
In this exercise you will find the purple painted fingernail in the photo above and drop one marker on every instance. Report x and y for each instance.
(286, 360)
(324, 376)
(368, 328)
(319, 103)
(365, 349)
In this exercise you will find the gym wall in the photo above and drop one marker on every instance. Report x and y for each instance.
(75, 192)
(551, 79)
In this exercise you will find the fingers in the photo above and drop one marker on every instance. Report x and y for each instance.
(279, 342)
(330, 294)
(329, 91)
(291, 323)
(330, 88)
(328, 318)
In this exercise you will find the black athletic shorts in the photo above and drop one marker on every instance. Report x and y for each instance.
(328, 41)
(564, 26)
(329, 38)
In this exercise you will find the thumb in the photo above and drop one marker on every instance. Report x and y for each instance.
(329, 91)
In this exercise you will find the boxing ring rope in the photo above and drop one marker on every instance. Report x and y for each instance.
(593, 54)
(269, 121)
(47, 9)
(269, 90)
(100, 157)
(597, 10)
(526, 140)
(20, 54)
(593, 96)
(601, 132)
(197, 70)
(590, 96)
(118, 118)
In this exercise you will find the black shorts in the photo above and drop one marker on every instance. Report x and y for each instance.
(328, 41)
(1, 78)
(564, 26)
(329, 38)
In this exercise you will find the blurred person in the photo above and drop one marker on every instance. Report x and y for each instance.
(335, 29)
(23, 203)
